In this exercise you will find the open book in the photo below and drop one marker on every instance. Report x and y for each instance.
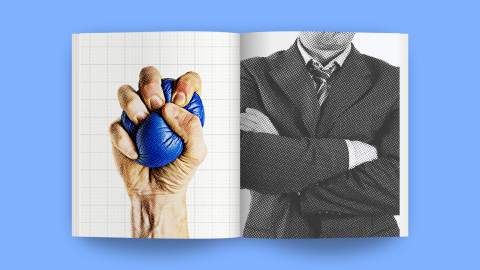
(220, 135)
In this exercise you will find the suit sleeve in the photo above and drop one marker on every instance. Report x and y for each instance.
(318, 168)
(371, 188)
(277, 164)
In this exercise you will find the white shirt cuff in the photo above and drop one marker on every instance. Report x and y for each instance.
(351, 154)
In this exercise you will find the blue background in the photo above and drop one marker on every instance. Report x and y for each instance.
(35, 72)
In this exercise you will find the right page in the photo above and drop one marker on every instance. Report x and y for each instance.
(324, 134)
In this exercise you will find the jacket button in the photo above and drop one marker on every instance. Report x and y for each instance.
(299, 193)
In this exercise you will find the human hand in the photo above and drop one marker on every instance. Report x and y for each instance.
(159, 192)
(254, 120)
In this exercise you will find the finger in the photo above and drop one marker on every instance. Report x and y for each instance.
(121, 141)
(150, 88)
(185, 86)
(189, 128)
(132, 104)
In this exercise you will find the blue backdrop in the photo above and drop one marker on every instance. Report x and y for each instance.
(35, 52)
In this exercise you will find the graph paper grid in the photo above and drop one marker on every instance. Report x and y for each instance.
(102, 63)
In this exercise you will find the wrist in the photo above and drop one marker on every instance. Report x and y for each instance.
(159, 215)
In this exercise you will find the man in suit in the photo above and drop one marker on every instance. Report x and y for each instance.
(320, 141)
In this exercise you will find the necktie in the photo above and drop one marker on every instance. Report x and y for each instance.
(320, 76)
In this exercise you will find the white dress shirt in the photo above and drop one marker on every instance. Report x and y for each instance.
(353, 161)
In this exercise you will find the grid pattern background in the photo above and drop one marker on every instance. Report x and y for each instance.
(106, 61)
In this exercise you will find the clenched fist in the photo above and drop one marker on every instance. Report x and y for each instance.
(158, 196)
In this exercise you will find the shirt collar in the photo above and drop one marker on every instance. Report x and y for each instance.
(339, 59)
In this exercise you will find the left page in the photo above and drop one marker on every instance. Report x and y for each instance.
(155, 135)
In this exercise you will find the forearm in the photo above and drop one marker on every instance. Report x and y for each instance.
(371, 188)
(159, 216)
(276, 164)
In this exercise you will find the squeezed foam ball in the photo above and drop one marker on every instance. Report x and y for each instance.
(157, 144)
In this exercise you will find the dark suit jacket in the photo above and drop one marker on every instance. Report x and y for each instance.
(300, 182)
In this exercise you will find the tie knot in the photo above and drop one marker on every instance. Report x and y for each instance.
(319, 72)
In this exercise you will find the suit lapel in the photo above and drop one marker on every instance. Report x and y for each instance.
(349, 85)
(289, 72)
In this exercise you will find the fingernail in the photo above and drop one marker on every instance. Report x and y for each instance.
(140, 117)
(179, 99)
(156, 102)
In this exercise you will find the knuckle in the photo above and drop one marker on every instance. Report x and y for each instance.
(114, 131)
(190, 81)
(113, 127)
(125, 94)
(148, 69)
(123, 91)
(193, 74)
(148, 74)
(184, 82)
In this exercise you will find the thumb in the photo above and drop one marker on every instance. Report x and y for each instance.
(189, 128)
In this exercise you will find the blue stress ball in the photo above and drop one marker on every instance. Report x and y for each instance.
(157, 144)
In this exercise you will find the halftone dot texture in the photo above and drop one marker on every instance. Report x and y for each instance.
(104, 62)
(157, 144)
(300, 183)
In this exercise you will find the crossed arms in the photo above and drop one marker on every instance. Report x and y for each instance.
(318, 169)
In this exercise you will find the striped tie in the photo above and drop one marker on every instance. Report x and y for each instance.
(320, 76)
